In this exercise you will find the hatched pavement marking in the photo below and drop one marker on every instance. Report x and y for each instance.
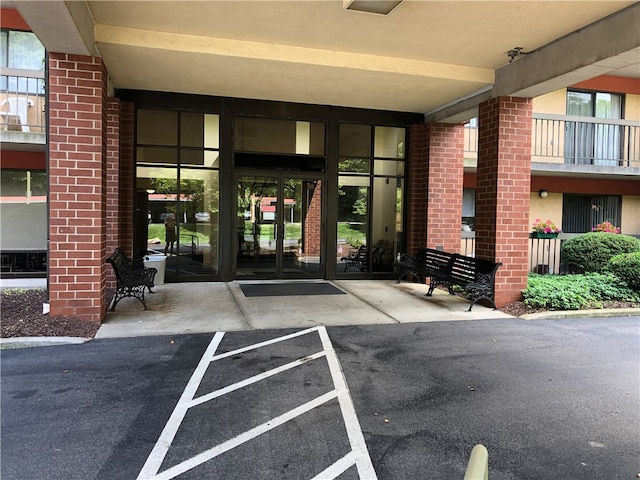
(358, 456)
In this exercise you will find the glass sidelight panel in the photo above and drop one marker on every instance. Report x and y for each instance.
(160, 186)
(353, 215)
(386, 227)
(257, 214)
(302, 220)
(198, 239)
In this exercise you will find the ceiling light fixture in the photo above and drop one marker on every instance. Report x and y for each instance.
(380, 7)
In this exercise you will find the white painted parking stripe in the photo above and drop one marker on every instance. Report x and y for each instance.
(359, 454)
(243, 437)
(154, 462)
(356, 438)
(254, 379)
(337, 468)
(264, 344)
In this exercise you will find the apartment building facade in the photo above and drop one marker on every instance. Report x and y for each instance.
(264, 185)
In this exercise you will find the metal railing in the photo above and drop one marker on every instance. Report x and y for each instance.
(586, 141)
(22, 100)
(544, 253)
(578, 140)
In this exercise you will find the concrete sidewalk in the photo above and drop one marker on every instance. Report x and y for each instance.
(180, 308)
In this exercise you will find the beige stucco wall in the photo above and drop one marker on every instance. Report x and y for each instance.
(632, 107)
(630, 221)
(549, 208)
(553, 102)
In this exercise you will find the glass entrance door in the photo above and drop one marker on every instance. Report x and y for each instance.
(279, 221)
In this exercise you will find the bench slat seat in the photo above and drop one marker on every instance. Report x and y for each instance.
(132, 277)
(475, 275)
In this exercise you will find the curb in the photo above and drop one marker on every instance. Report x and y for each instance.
(607, 312)
(23, 342)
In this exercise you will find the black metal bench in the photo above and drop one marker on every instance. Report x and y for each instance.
(358, 259)
(475, 275)
(132, 277)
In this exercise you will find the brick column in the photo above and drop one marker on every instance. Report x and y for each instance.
(502, 197)
(77, 186)
(113, 183)
(434, 191)
(416, 194)
(126, 179)
(445, 176)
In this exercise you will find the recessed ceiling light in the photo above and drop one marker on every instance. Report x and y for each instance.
(381, 7)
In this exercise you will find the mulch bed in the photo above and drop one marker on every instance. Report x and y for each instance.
(21, 316)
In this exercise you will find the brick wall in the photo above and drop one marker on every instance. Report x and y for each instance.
(127, 177)
(77, 186)
(503, 187)
(434, 188)
(416, 195)
(445, 174)
(113, 182)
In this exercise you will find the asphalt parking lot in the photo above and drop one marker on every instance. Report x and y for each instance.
(549, 399)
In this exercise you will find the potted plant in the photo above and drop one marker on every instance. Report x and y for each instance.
(545, 229)
(606, 227)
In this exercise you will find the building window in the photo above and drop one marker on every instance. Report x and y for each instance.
(177, 176)
(371, 192)
(468, 208)
(21, 50)
(593, 142)
(24, 219)
(22, 87)
(264, 135)
(583, 212)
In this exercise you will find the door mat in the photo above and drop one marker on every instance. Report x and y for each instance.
(285, 289)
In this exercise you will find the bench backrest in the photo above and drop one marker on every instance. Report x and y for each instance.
(468, 269)
(119, 261)
(435, 260)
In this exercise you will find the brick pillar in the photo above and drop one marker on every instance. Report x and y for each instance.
(445, 176)
(127, 178)
(416, 194)
(502, 196)
(313, 221)
(434, 191)
(113, 182)
(77, 186)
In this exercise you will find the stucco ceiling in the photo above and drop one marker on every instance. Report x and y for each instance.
(423, 55)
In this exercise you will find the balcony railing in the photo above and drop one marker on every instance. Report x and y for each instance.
(577, 140)
(22, 100)
(544, 253)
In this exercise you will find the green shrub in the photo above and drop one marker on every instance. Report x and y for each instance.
(576, 292)
(627, 267)
(592, 251)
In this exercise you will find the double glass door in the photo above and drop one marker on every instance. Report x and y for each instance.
(279, 226)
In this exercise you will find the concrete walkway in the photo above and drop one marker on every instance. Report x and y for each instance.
(180, 308)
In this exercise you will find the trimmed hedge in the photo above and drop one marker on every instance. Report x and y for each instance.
(592, 251)
(627, 267)
(576, 292)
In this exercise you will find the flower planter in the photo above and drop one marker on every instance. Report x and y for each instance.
(545, 235)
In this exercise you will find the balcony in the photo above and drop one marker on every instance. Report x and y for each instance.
(571, 145)
(22, 109)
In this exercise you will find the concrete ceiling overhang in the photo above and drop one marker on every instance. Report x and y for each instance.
(425, 56)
